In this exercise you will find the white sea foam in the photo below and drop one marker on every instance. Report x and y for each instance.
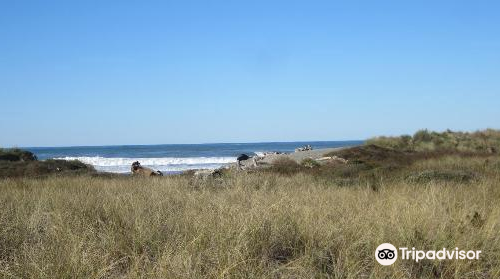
(102, 161)
(166, 164)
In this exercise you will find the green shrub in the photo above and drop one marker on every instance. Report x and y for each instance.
(442, 176)
(422, 136)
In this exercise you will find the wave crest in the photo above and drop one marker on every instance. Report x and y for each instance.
(167, 164)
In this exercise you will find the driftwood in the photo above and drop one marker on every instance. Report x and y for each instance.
(205, 174)
(137, 169)
(332, 158)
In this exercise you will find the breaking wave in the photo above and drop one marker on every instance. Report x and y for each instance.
(167, 164)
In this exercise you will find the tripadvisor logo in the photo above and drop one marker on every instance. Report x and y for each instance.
(387, 254)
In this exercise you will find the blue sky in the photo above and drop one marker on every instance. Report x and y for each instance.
(150, 72)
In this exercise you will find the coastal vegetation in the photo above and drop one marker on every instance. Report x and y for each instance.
(21, 163)
(292, 220)
(16, 154)
(424, 140)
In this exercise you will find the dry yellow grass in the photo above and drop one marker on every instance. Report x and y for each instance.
(259, 225)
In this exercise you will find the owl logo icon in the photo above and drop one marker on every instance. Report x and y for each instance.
(386, 254)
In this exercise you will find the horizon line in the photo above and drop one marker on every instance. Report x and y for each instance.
(215, 143)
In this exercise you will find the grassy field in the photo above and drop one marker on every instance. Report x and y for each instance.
(273, 224)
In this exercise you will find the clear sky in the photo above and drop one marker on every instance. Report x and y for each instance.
(150, 72)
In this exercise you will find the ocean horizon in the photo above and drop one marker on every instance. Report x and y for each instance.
(172, 158)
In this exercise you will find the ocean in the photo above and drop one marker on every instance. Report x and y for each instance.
(171, 158)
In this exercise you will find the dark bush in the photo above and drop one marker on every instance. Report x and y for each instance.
(21, 163)
(14, 155)
(43, 168)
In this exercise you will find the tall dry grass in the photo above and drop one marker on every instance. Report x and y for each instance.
(259, 225)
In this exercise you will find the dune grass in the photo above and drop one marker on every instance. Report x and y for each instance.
(251, 225)
(487, 141)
